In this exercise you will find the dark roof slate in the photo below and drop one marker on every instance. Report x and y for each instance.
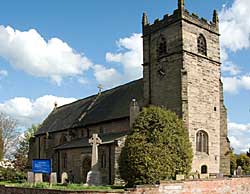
(109, 105)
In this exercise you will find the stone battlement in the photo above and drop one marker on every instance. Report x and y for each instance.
(201, 22)
(161, 23)
(178, 15)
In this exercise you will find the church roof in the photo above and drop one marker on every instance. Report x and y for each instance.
(106, 106)
(84, 142)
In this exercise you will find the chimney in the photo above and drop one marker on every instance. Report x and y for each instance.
(134, 111)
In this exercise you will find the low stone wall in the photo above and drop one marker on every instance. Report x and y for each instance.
(216, 186)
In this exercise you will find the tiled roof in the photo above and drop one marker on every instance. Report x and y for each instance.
(109, 105)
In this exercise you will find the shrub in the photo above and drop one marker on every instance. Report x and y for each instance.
(244, 161)
(10, 174)
(157, 148)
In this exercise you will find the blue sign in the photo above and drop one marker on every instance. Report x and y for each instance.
(41, 166)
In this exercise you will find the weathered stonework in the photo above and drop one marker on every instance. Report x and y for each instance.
(176, 75)
(190, 83)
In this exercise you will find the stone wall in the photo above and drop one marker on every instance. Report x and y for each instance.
(162, 72)
(216, 186)
(225, 186)
(76, 156)
(203, 93)
(224, 141)
(187, 82)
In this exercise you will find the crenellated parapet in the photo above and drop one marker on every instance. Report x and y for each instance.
(180, 14)
(212, 26)
(160, 23)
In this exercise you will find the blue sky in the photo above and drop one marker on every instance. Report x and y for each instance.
(61, 50)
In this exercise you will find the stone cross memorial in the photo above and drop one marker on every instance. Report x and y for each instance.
(93, 177)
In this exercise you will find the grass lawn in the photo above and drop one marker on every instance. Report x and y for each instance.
(70, 187)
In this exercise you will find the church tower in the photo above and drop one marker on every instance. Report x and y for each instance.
(181, 71)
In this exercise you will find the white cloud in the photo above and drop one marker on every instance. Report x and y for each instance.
(230, 67)
(27, 111)
(3, 73)
(235, 25)
(129, 55)
(83, 80)
(108, 77)
(30, 52)
(239, 127)
(56, 60)
(239, 135)
(235, 36)
(234, 84)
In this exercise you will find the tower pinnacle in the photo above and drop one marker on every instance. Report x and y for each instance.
(180, 4)
(215, 17)
(144, 19)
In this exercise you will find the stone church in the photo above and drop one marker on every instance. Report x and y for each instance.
(181, 71)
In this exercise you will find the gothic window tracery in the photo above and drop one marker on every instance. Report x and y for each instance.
(202, 142)
(202, 45)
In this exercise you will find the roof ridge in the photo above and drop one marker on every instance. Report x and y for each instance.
(89, 107)
(109, 105)
(114, 88)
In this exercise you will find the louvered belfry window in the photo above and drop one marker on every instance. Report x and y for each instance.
(202, 45)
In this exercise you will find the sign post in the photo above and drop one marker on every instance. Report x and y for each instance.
(42, 166)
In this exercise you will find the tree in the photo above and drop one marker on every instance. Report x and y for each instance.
(21, 155)
(157, 148)
(244, 161)
(1, 144)
(10, 135)
(233, 161)
(248, 153)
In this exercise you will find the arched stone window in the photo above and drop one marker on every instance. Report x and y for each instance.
(204, 169)
(162, 47)
(202, 45)
(202, 142)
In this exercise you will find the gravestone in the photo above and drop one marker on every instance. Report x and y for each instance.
(204, 176)
(93, 176)
(30, 177)
(38, 178)
(234, 172)
(180, 177)
(191, 177)
(239, 171)
(196, 175)
(53, 178)
(64, 178)
(220, 176)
